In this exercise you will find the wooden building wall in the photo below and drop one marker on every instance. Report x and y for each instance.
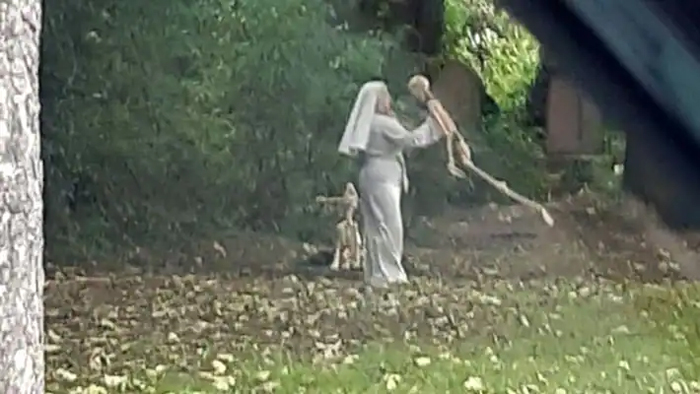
(573, 122)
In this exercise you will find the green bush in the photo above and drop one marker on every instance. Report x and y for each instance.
(168, 120)
(506, 57)
(503, 53)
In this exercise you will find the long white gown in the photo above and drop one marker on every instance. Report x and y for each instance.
(381, 182)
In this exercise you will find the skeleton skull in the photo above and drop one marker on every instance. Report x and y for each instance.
(419, 86)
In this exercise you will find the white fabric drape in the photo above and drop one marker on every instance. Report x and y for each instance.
(357, 129)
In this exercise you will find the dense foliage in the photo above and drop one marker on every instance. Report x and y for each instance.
(506, 57)
(167, 121)
(208, 120)
(501, 51)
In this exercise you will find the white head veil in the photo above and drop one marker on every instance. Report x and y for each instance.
(356, 132)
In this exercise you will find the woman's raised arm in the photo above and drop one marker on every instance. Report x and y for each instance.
(425, 135)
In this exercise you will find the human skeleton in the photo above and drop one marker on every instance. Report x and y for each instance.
(349, 251)
(419, 86)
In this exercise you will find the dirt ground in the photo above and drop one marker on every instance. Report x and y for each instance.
(590, 239)
(616, 241)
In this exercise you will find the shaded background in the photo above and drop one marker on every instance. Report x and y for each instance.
(172, 123)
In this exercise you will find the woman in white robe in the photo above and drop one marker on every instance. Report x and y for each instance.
(375, 135)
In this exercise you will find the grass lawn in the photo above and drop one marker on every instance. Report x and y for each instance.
(206, 334)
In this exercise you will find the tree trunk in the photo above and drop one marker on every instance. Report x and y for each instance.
(21, 206)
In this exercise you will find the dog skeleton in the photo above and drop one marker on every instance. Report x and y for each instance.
(349, 252)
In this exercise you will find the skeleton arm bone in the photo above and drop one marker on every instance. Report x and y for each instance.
(438, 112)
(419, 86)
(463, 150)
(331, 200)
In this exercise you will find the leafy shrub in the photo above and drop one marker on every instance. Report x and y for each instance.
(506, 57)
(503, 53)
(167, 120)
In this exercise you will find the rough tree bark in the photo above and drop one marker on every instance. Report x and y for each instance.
(21, 206)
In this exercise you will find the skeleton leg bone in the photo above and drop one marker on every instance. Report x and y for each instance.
(338, 252)
(358, 248)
